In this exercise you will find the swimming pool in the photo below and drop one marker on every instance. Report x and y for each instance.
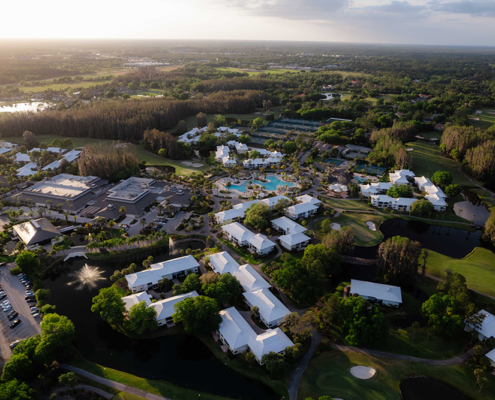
(272, 184)
(359, 179)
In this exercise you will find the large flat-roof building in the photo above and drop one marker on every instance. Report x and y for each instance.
(72, 191)
(377, 292)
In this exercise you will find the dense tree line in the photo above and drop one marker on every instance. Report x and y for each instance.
(126, 119)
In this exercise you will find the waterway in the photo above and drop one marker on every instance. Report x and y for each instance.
(428, 389)
(16, 107)
(180, 359)
(452, 242)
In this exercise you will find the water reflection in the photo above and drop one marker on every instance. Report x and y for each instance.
(86, 277)
(428, 389)
(472, 208)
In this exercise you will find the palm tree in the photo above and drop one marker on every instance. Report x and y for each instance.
(66, 215)
(122, 210)
(111, 224)
(228, 185)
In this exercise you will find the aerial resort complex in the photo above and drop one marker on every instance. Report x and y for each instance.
(239, 219)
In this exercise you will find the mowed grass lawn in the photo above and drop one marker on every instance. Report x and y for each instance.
(328, 374)
(486, 118)
(347, 204)
(364, 236)
(62, 86)
(478, 268)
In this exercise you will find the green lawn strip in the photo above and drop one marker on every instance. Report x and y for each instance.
(158, 387)
(62, 86)
(78, 142)
(486, 119)
(7, 259)
(347, 204)
(242, 252)
(86, 381)
(357, 221)
(478, 268)
(328, 374)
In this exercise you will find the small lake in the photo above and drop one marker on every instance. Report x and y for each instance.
(4, 107)
(428, 389)
(180, 359)
(452, 242)
(472, 205)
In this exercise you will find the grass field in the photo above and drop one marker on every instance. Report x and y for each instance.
(364, 236)
(328, 374)
(62, 86)
(478, 268)
(486, 118)
(347, 204)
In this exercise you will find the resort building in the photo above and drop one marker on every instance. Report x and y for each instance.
(240, 235)
(36, 232)
(238, 336)
(491, 356)
(353, 151)
(287, 226)
(234, 214)
(272, 201)
(272, 311)
(27, 170)
(240, 148)
(401, 177)
(435, 194)
(166, 308)
(377, 292)
(229, 161)
(22, 158)
(222, 152)
(192, 137)
(375, 188)
(171, 269)
(7, 147)
(486, 329)
(71, 191)
(295, 241)
(337, 187)
(260, 162)
(136, 298)
(223, 263)
(439, 203)
(70, 157)
(399, 204)
(302, 210)
(306, 198)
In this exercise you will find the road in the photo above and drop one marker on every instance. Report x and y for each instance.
(28, 327)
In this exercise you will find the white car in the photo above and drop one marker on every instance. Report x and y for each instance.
(13, 344)
(8, 308)
(29, 293)
(34, 309)
(6, 302)
(36, 315)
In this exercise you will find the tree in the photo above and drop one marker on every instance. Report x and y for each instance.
(274, 362)
(198, 314)
(109, 305)
(255, 311)
(398, 259)
(290, 147)
(28, 262)
(249, 357)
(141, 318)
(48, 309)
(342, 241)
(16, 390)
(321, 260)
(18, 367)
(201, 120)
(244, 139)
(257, 122)
(122, 210)
(443, 313)
(454, 284)
(258, 215)
(30, 139)
(400, 191)
(190, 284)
(68, 380)
(56, 331)
(327, 313)
(442, 178)
(281, 205)
(326, 227)
(217, 291)
(301, 284)
(422, 207)
(452, 190)
(228, 185)
(219, 120)
(361, 324)
(298, 326)
(162, 153)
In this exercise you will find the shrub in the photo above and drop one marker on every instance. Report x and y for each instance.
(15, 271)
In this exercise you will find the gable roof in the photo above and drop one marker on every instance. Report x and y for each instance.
(249, 278)
(286, 223)
(272, 201)
(294, 238)
(271, 340)
(271, 308)
(234, 328)
(487, 327)
(136, 299)
(305, 198)
(376, 290)
(223, 262)
(301, 208)
(166, 308)
(36, 231)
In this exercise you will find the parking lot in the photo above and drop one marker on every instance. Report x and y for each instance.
(28, 327)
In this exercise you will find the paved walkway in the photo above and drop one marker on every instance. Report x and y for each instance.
(295, 378)
(99, 392)
(113, 384)
(373, 353)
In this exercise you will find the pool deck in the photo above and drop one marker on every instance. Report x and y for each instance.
(248, 192)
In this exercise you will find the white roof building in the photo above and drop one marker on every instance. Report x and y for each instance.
(491, 357)
(487, 327)
(384, 294)
(241, 148)
(242, 236)
(295, 241)
(71, 156)
(223, 262)
(271, 340)
(6, 147)
(439, 203)
(272, 311)
(166, 308)
(401, 203)
(28, 169)
(222, 152)
(249, 278)
(375, 188)
(400, 177)
(287, 226)
(272, 201)
(228, 161)
(237, 212)
(21, 157)
(306, 198)
(422, 181)
(136, 298)
(192, 137)
(170, 269)
(301, 210)
(337, 187)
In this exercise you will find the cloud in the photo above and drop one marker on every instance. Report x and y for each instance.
(475, 8)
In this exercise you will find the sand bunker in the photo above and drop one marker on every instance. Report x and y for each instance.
(361, 372)
(410, 149)
(371, 225)
(335, 226)
(191, 164)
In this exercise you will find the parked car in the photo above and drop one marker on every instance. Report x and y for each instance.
(8, 308)
(28, 293)
(29, 297)
(12, 312)
(36, 315)
(34, 309)
(12, 316)
(6, 302)
(15, 323)
(3, 296)
(3, 264)
(15, 343)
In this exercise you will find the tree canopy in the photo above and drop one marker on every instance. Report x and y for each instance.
(198, 314)
(109, 304)
(397, 259)
(258, 216)
(321, 260)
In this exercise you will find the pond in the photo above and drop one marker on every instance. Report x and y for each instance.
(4, 107)
(428, 389)
(452, 242)
(472, 205)
(180, 359)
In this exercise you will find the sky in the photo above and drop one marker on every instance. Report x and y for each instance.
(435, 22)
